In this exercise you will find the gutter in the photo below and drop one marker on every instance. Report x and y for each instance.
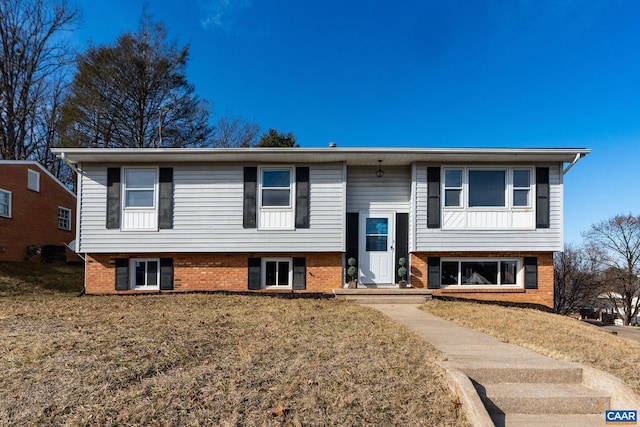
(575, 160)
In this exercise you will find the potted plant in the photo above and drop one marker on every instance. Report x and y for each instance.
(352, 272)
(402, 272)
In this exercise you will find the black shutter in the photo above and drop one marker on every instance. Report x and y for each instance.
(352, 236)
(433, 274)
(254, 274)
(433, 197)
(122, 274)
(250, 192)
(531, 273)
(113, 198)
(299, 274)
(166, 274)
(302, 197)
(402, 242)
(165, 210)
(542, 198)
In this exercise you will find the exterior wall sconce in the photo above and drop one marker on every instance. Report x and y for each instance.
(379, 172)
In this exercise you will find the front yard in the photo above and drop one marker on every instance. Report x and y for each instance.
(213, 360)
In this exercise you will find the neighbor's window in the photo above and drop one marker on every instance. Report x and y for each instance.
(276, 187)
(33, 180)
(469, 272)
(487, 188)
(146, 274)
(5, 203)
(521, 187)
(139, 188)
(453, 187)
(277, 272)
(64, 218)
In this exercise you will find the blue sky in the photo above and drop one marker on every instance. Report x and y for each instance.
(494, 73)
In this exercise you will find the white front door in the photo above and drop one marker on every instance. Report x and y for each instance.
(376, 248)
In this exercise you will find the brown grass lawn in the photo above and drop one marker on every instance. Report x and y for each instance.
(213, 360)
(556, 336)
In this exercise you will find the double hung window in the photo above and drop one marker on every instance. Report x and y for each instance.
(453, 188)
(521, 187)
(64, 218)
(276, 188)
(5, 203)
(139, 188)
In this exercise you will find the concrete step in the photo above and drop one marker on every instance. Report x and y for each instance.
(385, 299)
(384, 295)
(494, 375)
(549, 420)
(542, 398)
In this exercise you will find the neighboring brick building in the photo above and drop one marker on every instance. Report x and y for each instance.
(36, 211)
(472, 223)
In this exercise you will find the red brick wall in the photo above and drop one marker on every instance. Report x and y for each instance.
(210, 272)
(543, 295)
(34, 215)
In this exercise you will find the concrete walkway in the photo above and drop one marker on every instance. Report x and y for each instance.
(505, 384)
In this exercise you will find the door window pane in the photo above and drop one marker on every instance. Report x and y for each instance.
(377, 230)
(486, 188)
(479, 273)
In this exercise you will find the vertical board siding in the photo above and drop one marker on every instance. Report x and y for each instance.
(455, 236)
(208, 214)
(366, 192)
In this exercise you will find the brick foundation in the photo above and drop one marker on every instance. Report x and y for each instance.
(213, 271)
(543, 295)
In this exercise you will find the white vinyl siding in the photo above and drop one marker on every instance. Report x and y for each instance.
(366, 192)
(481, 229)
(208, 212)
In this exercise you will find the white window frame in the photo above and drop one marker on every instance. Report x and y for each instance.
(33, 180)
(132, 274)
(291, 187)
(125, 189)
(61, 225)
(508, 188)
(460, 189)
(519, 273)
(9, 197)
(530, 188)
(263, 269)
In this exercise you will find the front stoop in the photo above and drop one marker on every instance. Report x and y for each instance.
(384, 295)
(539, 397)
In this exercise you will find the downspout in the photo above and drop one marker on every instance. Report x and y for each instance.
(575, 160)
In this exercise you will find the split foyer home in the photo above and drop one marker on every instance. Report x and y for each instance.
(473, 223)
(37, 212)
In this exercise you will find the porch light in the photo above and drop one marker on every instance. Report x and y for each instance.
(379, 172)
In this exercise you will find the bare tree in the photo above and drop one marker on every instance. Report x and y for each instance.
(576, 280)
(33, 54)
(234, 131)
(619, 240)
(135, 94)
